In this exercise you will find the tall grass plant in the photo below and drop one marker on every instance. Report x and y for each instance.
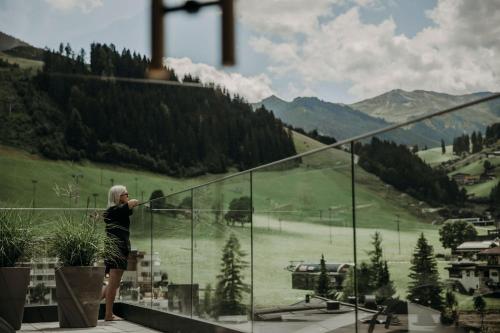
(16, 237)
(81, 242)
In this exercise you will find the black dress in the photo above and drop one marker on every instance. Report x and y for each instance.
(117, 228)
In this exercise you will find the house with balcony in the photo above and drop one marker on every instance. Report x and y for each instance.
(479, 275)
(465, 178)
(471, 248)
(42, 287)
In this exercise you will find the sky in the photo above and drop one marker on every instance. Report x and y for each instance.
(340, 51)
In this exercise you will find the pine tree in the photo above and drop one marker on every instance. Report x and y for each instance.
(323, 286)
(376, 264)
(385, 288)
(424, 287)
(230, 285)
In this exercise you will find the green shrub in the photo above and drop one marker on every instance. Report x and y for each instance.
(16, 236)
(81, 242)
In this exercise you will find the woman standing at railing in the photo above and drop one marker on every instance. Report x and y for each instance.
(117, 228)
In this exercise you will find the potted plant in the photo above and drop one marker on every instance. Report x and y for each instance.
(79, 244)
(16, 238)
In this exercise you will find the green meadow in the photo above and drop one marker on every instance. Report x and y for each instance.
(435, 156)
(302, 209)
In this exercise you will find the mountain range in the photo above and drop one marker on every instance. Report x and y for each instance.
(396, 106)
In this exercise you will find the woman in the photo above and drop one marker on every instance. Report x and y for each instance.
(117, 228)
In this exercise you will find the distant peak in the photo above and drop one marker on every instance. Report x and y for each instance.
(306, 98)
(272, 98)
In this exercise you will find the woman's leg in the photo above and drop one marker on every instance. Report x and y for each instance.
(115, 276)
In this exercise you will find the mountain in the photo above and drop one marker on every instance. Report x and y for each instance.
(344, 121)
(337, 120)
(8, 42)
(397, 105)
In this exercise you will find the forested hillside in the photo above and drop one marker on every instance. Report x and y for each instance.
(170, 129)
(398, 166)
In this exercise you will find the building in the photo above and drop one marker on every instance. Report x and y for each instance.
(465, 275)
(481, 275)
(491, 270)
(465, 179)
(42, 287)
(305, 276)
(472, 248)
(142, 269)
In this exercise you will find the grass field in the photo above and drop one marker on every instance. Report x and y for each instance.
(475, 168)
(23, 63)
(300, 212)
(435, 156)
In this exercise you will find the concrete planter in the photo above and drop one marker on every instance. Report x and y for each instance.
(78, 293)
(14, 283)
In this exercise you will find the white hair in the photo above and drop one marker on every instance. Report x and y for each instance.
(114, 194)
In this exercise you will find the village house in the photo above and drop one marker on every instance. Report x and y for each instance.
(142, 269)
(481, 275)
(465, 178)
(472, 248)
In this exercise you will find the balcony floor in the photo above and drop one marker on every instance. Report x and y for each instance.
(102, 327)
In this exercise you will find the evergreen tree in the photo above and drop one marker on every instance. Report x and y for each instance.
(487, 167)
(323, 286)
(380, 283)
(385, 289)
(230, 285)
(495, 197)
(376, 263)
(449, 313)
(443, 147)
(365, 285)
(424, 288)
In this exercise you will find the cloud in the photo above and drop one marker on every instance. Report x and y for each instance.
(85, 6)
(458, 54)
(253, 88)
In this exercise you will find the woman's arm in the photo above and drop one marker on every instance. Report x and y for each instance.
(132, 203)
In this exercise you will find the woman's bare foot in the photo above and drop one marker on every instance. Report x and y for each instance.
(112, 318)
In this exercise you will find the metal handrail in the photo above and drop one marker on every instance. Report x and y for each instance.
(338, 144)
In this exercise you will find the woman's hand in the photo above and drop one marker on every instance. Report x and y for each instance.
(132, 203)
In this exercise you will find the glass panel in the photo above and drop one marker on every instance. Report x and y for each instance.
(222, 229)
(303, 213)
(426, 230)
(170, 267)
(135, 286)
(40, 260)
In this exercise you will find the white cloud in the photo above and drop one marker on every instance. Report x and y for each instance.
(85, 6)
(460, 54)
(285, 17)
(253, 88)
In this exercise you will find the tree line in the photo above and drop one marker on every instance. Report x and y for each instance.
(170, 129)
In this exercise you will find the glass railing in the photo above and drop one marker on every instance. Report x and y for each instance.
(358, 236)
(248, 248)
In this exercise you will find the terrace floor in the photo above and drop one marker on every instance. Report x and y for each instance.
(102, 327)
